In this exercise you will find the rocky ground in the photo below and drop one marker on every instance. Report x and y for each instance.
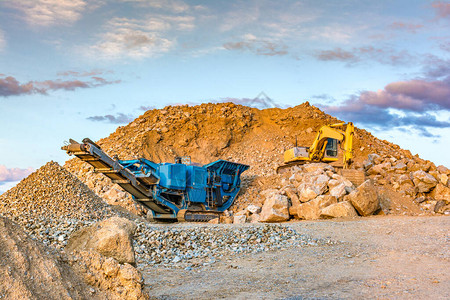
(365, 258)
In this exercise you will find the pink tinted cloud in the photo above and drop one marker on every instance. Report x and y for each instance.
(10, 86)
(259, 47)
(406, 26)
(442, 9)
(13, 174)
(413, 95)
(83, 74)
(367, 53)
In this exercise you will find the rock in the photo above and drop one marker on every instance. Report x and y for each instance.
(320, 184)
(317, 168)
(242, 213)
(254, 218)
(239, 219)
(275, 209)
(123, 281)
(400, 168)
(443, 170)
(311, 210)
(373, 157)
(423, 181)
(438, 208)
(214, 221)
(254, 209)
(342, 209)
(338, 191)
(365, 199)
(441, 192)
(113, 195)
(295, 201)
(443, 178)
(420, 199)
(367, 164)
(307, 193)
(226, 220)
(111, 238)
(379, 169)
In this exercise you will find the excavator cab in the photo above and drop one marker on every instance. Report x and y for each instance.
(331, 150)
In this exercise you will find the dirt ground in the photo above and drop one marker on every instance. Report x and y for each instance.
(380, 257)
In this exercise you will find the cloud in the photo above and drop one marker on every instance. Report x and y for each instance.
(445, 46)
(442, 9)
(257, 46)
(49, 12)
(412, 28)
(84, 73)
(10, 86)
(120, 118)
(2, 40)
(174, 6)
(13, 174)
(402, 103)
(137, 39)
(359, 54)
(435, 67)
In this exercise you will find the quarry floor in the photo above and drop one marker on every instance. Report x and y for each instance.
(383, 257)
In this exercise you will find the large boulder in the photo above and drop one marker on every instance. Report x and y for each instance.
(365, 199)
(379, 169)
(441, 192)
(443, 170)
(338, 191)
(112, 238)
(292, 194)
(275, 209)
(311, 210)
(423, 181)
(320, 184)
(406, 184)
(307, 192)
(342, 209)
(122, 281)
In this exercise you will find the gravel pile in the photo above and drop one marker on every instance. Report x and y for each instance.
(51, 203)
(194, 245)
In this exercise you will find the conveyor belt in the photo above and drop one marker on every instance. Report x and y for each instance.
(140, 186)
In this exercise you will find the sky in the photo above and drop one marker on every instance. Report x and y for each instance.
(78, 68)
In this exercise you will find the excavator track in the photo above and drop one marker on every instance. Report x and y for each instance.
(185, 215)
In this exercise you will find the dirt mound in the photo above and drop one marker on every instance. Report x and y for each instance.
(28, 271)
(208, 132)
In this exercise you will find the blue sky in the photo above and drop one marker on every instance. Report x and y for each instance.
(76, 68)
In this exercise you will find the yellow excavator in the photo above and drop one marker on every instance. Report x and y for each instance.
(325, 149)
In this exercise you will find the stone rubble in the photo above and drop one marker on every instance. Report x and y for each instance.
(197, 245)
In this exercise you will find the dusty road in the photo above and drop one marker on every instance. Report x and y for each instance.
(376, 258)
